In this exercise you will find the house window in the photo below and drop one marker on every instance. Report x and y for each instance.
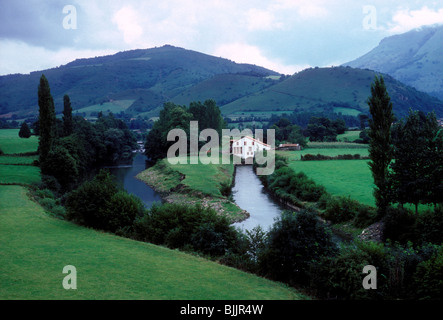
(245, 142)
(253, 142)
(250, 148)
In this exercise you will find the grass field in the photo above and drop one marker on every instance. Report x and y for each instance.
(114, 107)
(362, 150)
(340, 177)
(36, 247)
(349, 136)
(11, 143)
(13, 174)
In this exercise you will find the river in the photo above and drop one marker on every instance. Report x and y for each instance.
(126, 176)
(248, 193)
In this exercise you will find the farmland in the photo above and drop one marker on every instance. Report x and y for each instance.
(36, 247)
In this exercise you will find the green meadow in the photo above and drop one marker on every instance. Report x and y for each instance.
(341, 177)
(35, 247)
(11, 143)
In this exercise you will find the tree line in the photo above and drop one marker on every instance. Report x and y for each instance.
(406, 155)
(69, 150)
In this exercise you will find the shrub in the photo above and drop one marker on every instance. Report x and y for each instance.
(399, 225)
(295, 241)
(429, 278)
(182, 226)
(429, 226)
(87, 204)
(341, 209)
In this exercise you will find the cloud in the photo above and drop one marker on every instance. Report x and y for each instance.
(245, 53)
(15, 58)
(261, 20)
(405, 19)
(127, 21)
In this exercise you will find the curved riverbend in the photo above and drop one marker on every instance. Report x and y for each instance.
(126, 177)
(250, 195)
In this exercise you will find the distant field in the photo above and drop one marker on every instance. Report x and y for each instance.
(341, 177)
(36, 247)
(332, 152)
(11, 143)
(347, 111)
(18, 160)
(114, 107)
(349, 136)
(12, 174)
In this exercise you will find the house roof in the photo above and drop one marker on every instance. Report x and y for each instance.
(258, 141)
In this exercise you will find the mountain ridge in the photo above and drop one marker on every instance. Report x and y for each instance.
(414, 58)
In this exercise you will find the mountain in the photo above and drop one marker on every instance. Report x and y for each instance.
(338, 89)
(139, 82)
(146, 78)
(414, 57)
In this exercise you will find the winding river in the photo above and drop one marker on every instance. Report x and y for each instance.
(126, 176)
(248, 193)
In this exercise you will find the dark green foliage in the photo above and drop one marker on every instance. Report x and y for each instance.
(47, 122)
(417, 169)
(60, 164)
(286, 132)
(323, 129)
(24, 132)
(93, 204)
(380, 149)
(399, 224)
(67, 116)
(178, 117)
(121, 211)
(187, 227)
(341, 209)
(428, 278)
(295, 242)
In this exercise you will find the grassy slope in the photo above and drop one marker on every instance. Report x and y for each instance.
(340, 177)
(36, 247)
(202, 182)
(11, 143)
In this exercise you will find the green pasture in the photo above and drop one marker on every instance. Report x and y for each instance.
(205, 178)
(29, 160)
(113, 106)
(36, 247)
(332, 152)
(341, 177)
(14, 174)
(349, 136)
(11, 143)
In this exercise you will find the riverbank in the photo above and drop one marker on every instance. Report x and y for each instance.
(207, 185)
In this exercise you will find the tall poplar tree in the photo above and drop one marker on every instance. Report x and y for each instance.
(380, 148)
(47, 121)
(67, 116)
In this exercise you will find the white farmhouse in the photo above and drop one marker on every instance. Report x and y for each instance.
(247, 146)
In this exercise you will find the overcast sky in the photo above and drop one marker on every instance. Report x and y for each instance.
(283, 35)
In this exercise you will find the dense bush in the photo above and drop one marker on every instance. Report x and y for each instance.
(181, 226)
(295, 242)
(428, 278)
(402, 272)
(101, 205)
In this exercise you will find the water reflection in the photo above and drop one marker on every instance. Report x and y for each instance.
(126, 176)
(250, 195)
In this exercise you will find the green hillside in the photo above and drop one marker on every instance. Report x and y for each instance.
(159, 73)
(36, 247)
(339, 88)
(224, 88)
